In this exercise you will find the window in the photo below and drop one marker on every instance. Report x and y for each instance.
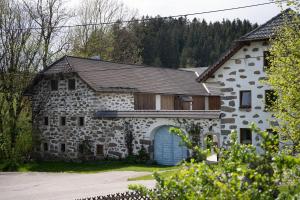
(46, 121)
(62, 121)
(270, 98)
(71, 84)
(80, 148)
(54, 85)
(198, 103)
(167, 102)
(45, 146)
(245, 99)
(214, 103)
(144, 101)
(99, 150)
(245, 136)
(266, 61)
(62, 147)
(275, 141)
(81, 121)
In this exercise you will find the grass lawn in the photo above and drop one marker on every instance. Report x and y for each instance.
(88, 167)
(164, 174)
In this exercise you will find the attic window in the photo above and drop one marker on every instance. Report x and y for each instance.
(71, 84)
(54, 85)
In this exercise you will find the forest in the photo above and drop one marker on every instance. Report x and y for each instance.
(165, 42)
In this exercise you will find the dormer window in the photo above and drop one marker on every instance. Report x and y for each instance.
(54, 85)
(71, 84)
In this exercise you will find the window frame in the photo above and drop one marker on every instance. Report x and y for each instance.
(246, 129)
(54, 84)
(69, 84)
(241, 98)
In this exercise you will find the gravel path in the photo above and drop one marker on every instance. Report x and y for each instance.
(57, 186)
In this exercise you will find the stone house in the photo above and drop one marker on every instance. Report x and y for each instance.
(79, 102)
(239, 74)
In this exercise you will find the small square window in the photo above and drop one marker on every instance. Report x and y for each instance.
(270, 98)
(62, 121)
(45, 146)
(54, 85)
(46, 121)
(266, 59)
(62, 147)
(245, 99)
(71, 84)
(245, 136)
(99, 150)
(81, 121)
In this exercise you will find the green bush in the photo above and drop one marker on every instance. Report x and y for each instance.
(241, 173)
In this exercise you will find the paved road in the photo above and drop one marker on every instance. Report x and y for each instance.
(57, 186)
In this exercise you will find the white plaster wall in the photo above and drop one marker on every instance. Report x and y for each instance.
(244, 71)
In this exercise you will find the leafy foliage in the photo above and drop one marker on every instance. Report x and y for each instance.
(284, 77)
(241, 173)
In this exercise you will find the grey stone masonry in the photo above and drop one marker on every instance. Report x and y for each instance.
(78, 107)
(246, 74)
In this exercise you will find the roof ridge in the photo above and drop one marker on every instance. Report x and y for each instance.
(134, 65)
(264, 24)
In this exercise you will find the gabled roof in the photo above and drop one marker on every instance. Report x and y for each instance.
(268, 29)
(103, 76)
(263, 32)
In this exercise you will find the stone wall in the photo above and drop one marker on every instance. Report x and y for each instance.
(84, 102)
(244, 71)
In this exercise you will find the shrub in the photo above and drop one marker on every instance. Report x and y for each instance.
(241, 173)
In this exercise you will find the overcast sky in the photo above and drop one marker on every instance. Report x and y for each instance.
(175, 7)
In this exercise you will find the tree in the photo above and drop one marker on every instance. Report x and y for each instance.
(26, 45)
(48, 16)
(283, 75)
(96, 38)
(18, 50)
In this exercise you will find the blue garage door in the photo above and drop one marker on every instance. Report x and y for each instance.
(168, 148)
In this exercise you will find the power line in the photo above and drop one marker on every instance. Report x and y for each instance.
(152, 18)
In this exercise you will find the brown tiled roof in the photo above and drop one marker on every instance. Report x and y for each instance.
(105, 76)
(263, 32)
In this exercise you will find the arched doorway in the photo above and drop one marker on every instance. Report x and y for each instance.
(168, 148)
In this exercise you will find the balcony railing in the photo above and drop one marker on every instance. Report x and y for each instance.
(192, 114)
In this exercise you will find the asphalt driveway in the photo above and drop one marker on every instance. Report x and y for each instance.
(57, 186)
